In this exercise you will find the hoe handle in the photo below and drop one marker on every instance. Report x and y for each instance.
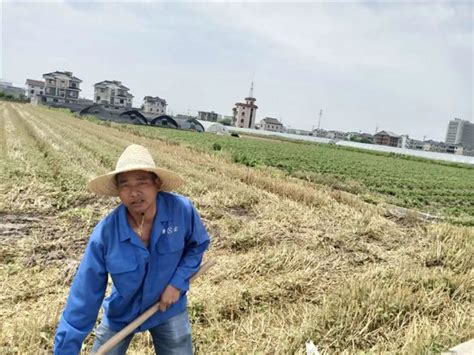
(117, 338)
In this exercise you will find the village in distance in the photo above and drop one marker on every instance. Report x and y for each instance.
(112, 101)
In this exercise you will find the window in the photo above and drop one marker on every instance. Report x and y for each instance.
(98, 98)
(242, 120)
(102, 90)
(55, 100)
(32, 91)
(243, 113)
(121, 101)
(41, 92)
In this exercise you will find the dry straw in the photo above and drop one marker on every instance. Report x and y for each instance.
(297, 261)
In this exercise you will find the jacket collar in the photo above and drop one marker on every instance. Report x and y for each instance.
(163, 215)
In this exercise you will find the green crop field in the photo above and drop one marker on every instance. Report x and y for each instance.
(434, 187)
(297, 258)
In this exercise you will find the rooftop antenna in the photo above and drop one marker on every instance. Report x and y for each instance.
(320, 115)
(251, 86)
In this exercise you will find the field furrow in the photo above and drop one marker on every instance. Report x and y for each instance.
(297, 260)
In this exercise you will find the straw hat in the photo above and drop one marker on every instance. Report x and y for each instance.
(134, 157)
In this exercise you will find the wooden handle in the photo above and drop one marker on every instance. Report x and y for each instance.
(117, 338)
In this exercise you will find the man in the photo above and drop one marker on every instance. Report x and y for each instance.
(151, 245)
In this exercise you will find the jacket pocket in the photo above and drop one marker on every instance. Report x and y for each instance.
(125, 275)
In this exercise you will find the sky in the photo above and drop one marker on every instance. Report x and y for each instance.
(401, 66)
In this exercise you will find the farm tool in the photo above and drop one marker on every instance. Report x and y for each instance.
(117, 338)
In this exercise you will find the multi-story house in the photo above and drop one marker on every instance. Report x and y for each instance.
(61, 87)
(154, 105)
(271, 124)
(244, 114)
(34, 88)
(112, 93)
(387, 138)
(208, 116)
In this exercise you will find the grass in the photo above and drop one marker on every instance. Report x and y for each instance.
(297, 260)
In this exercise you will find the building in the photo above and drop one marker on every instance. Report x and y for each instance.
(460, 132)
(61, 87)
(245, 113)
(387, 138)
(154, 105)
(111, 93)
(271, 124)
(208, 116)
(34, 89)
(7, 88)
(338, 135)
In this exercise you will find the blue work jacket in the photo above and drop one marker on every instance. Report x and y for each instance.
(139, 274)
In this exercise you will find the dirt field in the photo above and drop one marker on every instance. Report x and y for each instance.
(296, 261)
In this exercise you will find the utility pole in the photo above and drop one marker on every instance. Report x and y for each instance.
(319, 121)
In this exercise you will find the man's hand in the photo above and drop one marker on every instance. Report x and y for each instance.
(168, 297)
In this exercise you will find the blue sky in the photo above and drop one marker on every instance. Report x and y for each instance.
(406, 67)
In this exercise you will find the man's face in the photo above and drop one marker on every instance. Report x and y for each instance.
(137, 190)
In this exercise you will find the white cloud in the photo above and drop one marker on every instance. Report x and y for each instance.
(405, 67)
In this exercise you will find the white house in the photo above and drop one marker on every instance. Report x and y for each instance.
(154, 105)
(112, 93)
(34, 88)
(271, 124)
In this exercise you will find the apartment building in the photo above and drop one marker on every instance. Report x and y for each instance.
(460, 132)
